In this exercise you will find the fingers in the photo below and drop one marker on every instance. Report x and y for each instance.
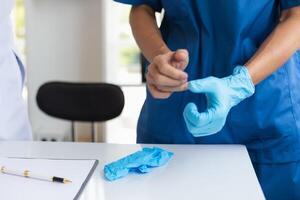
(194, 117)
(181, 59)
(154, 77)
(205, 131)
(163, 92)
(206, 123)
(157, 94)
(180, 88)
(163, 66)
(164, 78)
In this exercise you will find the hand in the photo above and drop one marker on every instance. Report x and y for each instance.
(165, 74)
(222, 95)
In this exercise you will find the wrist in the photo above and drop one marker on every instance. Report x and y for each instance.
(254, 74)
(164, 49)
(161, 50)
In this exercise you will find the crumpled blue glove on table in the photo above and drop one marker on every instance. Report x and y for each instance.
(222, 94)
(140, 162)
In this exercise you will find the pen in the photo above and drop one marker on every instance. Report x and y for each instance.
(28, 174)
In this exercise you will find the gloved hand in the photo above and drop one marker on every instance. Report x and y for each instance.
(222, 95)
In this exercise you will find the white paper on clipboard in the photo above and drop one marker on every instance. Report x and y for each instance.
(20, 188)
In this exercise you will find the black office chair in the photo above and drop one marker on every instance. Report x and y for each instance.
(84, 102)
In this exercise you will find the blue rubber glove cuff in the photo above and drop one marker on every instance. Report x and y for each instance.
(243, 82)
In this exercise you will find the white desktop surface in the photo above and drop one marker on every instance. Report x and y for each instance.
(208, 172)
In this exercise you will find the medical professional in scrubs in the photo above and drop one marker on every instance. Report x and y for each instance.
(14, 124)
(225, 72)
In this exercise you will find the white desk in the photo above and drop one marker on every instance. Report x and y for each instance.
(195, 172)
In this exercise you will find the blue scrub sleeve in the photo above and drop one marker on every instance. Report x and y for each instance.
(154, 4)
(286, 4)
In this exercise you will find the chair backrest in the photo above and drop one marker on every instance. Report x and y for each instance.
(87, 102)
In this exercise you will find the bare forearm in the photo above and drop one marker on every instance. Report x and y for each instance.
(146, 32)
(277, 48)
(165, 73)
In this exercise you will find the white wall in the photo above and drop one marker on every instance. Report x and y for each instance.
(65, 41)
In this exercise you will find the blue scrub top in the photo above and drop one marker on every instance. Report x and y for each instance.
(220, 34)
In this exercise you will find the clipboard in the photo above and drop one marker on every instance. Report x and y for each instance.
(79, 171)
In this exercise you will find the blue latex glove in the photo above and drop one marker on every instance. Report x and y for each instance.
(222, 95)
(140, 162)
